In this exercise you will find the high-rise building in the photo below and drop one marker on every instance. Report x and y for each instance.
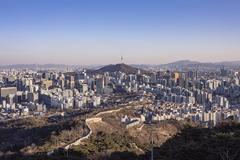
(84, 88)
(69, 82)
(176, 76)
(223, 72)
(5, 91)
(46, 84)
(99, 85)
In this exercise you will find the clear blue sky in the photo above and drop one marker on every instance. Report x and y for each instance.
(101, 31)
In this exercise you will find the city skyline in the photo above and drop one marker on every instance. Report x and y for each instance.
(93, 32)
(119, 79)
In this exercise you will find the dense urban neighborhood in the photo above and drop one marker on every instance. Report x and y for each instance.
(77, 101)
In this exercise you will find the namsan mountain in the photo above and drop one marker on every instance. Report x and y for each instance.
(120, 67)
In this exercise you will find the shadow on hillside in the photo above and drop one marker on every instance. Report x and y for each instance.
(222, 142)
(121, 156)
(74, 156)
(16, 138)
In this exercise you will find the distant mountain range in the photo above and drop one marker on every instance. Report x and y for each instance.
(229, 63)
(180, 63)
(34, 66)
(129, 68)
(195, 64)
(45, 66)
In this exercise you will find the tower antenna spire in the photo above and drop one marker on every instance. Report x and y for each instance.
(121, 59)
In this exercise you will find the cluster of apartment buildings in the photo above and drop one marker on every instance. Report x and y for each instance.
(203, 96)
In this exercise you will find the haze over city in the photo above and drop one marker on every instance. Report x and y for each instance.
(100, 32)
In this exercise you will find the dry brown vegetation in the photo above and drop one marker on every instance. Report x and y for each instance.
(110, 135)
(31, 135)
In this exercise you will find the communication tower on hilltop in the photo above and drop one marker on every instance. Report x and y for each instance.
(121, 59)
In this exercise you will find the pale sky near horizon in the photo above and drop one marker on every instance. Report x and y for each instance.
(101, 31)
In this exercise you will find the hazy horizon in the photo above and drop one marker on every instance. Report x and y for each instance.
(100, 32)
(103, 64)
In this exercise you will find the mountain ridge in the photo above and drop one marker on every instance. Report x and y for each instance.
(175, 64)
(128, 69)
